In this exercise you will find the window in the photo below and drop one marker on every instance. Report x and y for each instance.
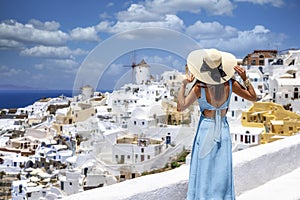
(247, 139)
(253, 139)
(142, 158)
(148, 157)
(122, 177)
(70, 183)
(142, 150)
(261, 62)
(235, 98)
(20, 188)
(290, 128)
(296, 93)
(133, 175)
(232, 113)
(128, 157)
(242, 138)
(286, 96)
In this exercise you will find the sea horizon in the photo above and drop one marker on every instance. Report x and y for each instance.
(20, 98)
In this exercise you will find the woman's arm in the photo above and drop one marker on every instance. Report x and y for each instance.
(246, 92)
(182, 101)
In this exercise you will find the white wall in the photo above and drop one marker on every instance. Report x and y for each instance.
(258, 165)
(252, 168)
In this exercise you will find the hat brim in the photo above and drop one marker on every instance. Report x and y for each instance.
(207, 75)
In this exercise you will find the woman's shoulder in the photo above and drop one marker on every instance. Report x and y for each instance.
(233, 81)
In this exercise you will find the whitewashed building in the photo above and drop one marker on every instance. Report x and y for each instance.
(285, 90)
(12, 162)
(131, 149)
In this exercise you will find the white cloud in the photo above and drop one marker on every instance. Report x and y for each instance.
(28, 33)
(104, 26)
(169, 21)
(162, 14)
(164, 60)
(8, 44)
(138, 12)
(220, 7)
(49, 26)
(257, 38)
(110, 4)
(68, 66)
(115, 69)
(210, 30)
(87, 34)
(259, 29)
(52, 52)
(275, 3)
(39, 66)
(9, 72)
(170, 61)
(105, 15)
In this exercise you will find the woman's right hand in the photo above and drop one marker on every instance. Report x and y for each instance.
(189, 77)
(241, 71)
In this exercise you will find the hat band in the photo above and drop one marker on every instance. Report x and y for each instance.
(220, 69)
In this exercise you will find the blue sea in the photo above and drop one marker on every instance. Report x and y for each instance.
(22, 98)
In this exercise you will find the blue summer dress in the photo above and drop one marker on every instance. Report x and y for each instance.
(211, 176)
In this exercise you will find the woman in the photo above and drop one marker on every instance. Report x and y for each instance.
(211, 160)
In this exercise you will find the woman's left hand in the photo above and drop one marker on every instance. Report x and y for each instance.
(241, 71)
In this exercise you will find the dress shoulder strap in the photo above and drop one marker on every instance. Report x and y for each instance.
(230, 92)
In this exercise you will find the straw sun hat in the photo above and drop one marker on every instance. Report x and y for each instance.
(211, 66)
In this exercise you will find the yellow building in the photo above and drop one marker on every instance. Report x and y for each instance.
(277, 122)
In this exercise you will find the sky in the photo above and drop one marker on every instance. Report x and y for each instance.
(50, 44)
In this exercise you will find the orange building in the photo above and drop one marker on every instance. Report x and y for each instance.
(258, 57)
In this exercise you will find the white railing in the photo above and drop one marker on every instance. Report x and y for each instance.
(252, 168)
